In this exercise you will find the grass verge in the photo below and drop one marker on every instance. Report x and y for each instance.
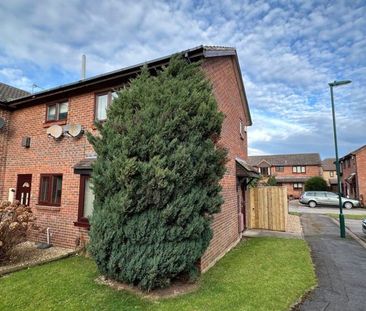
(348, 216)
(259, 274)
(295, 213)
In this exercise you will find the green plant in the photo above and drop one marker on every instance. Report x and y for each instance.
(271, 181)
(316, 183)
(156, 178)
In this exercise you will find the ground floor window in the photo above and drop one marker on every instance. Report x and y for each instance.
(50, 189)
(298, 185)
(86, 200)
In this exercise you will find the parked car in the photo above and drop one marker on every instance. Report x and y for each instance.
(364, 226)
(314, 198)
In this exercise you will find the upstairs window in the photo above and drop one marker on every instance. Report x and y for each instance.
(50, 189)
(264, 171)
(280, 168)
(103, 100)
(298, 169)
(331, 173)
(57, 112)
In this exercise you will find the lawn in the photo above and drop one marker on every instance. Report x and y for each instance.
(295, 213)
(348, 216)
(259, 274)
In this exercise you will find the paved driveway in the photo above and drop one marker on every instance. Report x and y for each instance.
(295, 206)
(340, 267)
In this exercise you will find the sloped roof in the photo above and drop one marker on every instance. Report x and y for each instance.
(8, 92)
(352, 153)
(193, 54)
(245, 170)
(286, 159)
(328, 164)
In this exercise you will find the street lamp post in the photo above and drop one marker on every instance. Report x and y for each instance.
(341, 216)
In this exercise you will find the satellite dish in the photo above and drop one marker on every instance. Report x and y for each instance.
(2, 123)
(74, 130)
(55, 131)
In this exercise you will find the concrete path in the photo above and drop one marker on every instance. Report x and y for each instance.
(340, 267)
(253, 233)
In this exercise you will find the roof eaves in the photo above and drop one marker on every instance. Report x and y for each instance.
(352, 153)
(193, 52)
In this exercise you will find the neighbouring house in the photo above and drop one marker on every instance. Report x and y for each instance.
(330, 173)
(47, 162)
(7, 93)
(353, 172)
(290, 170)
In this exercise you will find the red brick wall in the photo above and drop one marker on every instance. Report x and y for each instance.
(310, 170)
(361, 174)
(49, 156)
(3, 147)
(348, 167)
(221, 71)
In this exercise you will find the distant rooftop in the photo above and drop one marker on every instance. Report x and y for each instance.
(328, 164)
(8, 92)
(286, 159)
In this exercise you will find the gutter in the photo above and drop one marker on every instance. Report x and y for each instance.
(106, 77)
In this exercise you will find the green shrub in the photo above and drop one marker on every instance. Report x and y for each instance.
(271, 181)
(316, 183)
(156, 178)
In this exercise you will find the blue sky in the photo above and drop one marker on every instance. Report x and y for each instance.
(288, 51)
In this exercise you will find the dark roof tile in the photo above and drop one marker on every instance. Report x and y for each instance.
(286, 159)
(8, 92)
(328, 164)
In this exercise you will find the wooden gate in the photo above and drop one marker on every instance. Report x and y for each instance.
(268, 208)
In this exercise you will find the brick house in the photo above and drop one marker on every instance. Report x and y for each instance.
(46, 159)
(290, 170)
(7, 93)
(353, 168)
(330, 174)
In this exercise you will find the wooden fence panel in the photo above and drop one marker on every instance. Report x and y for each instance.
(268, 208)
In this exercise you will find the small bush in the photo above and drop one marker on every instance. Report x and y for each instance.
(316, 183)
(15, 222)
(271, 181)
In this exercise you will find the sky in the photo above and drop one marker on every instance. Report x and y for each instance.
(288, 51)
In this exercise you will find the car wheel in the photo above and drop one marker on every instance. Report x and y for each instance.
(312, 204)
(348, 205)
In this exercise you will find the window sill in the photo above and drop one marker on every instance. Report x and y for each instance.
(82, 224)
(50, 123)
(48, 208)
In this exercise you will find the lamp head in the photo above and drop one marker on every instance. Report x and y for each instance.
(338, 83)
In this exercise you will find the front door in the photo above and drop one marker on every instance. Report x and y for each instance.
(24, 189)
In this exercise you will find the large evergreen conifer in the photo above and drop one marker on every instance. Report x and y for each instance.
(156, 178)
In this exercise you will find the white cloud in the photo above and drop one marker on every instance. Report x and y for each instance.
(17, 77)
(288, 51)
